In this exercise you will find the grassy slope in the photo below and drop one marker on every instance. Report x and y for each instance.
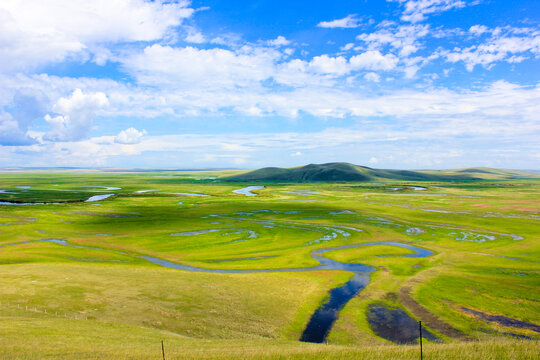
(239, 306)
(41, 337)
(463, 273)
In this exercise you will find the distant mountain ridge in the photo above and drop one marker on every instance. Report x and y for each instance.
(339, 171)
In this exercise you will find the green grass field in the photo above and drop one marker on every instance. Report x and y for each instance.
(103, 301)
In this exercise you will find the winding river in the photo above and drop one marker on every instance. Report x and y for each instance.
(323, 318)
(90, 199)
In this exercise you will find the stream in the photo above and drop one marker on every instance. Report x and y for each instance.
(323, 318)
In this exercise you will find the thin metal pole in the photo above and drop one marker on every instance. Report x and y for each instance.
(162, 350)
(421, 350)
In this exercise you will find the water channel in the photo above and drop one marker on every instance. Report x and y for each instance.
(323, 318)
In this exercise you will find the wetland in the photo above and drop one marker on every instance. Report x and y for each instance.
(360, 265)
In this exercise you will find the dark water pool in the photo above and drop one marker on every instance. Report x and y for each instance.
(395, 325)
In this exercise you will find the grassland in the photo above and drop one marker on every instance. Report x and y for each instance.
(102, 300)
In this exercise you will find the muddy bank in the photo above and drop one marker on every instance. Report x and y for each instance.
(502, 320)
(427, 316)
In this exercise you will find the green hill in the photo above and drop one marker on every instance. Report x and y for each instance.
(333, 172)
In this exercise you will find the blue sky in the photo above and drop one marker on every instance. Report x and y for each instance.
(409, 84)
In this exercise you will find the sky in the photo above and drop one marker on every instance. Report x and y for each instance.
(402, 84)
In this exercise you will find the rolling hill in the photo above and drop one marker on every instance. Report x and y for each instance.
(339, 171)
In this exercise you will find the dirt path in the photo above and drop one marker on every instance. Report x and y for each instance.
(427, 317)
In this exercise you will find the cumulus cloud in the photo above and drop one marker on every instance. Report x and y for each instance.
(194, 36)
(190, 67)
(27, 105)
(11, 132)
(329, 65)
(373, 60)
(35, 32)
(129, 136)
(437, 136)
(478, 29)
(297, 72)
(216, 69)
(229, 76)
(74, 116)
(279, 41)
(350, 21)
(516, 102)
(326, 70)
(371, 76)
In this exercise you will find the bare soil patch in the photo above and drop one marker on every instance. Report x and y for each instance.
(428, 317)
(502, 320)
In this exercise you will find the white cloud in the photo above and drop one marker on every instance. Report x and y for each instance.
(500, 113)
(350, 21)
(194, 36)
(216, 69)
(289, 51)
(347, 47)
(27, 105)
(371, 76)
(224, 159)
(325, 69)
(11, 132)
(325, 64)
(478, 29)
(410, 71)
(279, 41)
(259, 79)
(518, 103)
(373, 160)
(511, 46)
(404, 38)
(189, 67)
(373, 60)
(297, 153)
(129, 136)
(435, 137)
(75, 116)
(101, 55)
(35, 32)
(228, 146)
(416, 10)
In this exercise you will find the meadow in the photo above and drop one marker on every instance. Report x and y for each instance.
(91, 294)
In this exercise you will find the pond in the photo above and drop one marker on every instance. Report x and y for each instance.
(247, 191)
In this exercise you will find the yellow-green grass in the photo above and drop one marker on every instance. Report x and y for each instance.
(38, 337)
(272, 308)
(191, 304)
(492, 285)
